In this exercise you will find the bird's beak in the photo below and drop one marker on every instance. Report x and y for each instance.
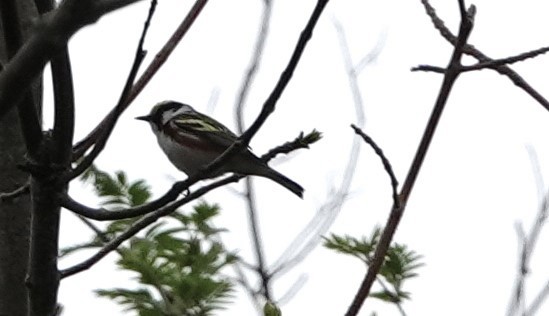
(146, 118)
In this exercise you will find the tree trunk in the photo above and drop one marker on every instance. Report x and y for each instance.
(14, 213)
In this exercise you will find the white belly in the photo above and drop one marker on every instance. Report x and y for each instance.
(185, 159)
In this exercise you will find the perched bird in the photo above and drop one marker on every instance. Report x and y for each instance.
(192, 140)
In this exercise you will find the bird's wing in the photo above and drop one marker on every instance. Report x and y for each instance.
(205, 127)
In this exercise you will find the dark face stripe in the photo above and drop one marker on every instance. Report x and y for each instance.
(156, 113)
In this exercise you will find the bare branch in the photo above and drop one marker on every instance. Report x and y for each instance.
(472, 51)
(104, 215)
(452, 73)
(301, 141)
(63, 128)
(496, 63)
(269, 105)
(430, 68)
(384, 160)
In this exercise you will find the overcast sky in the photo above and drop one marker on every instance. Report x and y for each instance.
(476, 184)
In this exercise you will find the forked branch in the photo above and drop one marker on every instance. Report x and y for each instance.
(451, 74)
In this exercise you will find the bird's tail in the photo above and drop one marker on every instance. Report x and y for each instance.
(283, 181)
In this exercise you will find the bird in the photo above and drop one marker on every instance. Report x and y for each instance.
(191, 140)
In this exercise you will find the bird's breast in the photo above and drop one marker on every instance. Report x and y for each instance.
(189, 155)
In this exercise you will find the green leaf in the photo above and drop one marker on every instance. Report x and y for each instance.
(138, 193)
(400, 263)
(177, 261)
(121, 178)
(386, 296)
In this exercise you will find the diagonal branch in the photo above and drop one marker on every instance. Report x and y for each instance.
(452, 73)
(384, 160)
(496, 63)
(269, 105)
(490, 64)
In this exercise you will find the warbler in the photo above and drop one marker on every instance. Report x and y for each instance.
(192, 140)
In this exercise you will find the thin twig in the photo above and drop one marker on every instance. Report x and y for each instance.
(269, 105)
(496, 63)
(384, 160)
(301, 141)
(430, 68)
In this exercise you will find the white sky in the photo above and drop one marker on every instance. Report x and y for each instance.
(475, 185)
